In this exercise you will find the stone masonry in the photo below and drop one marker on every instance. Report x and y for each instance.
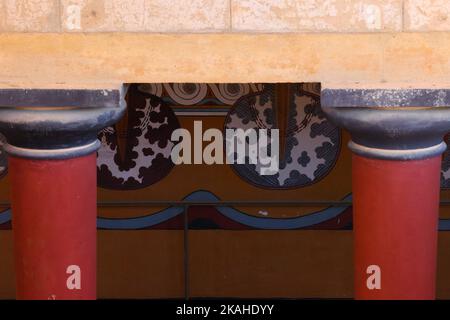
(267, 16)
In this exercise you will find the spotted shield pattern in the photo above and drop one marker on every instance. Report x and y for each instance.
(135, 153)
(312, 143)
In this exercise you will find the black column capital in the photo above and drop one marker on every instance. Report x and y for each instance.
(395, 124)
(57, 123)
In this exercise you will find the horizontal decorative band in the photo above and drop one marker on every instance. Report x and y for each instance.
(389, 154)
(52, 154)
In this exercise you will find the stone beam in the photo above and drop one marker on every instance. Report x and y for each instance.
(108, 59)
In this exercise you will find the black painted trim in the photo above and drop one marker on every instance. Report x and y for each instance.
(334, 98)
(80, 98)
(395, 124)
(70, 128)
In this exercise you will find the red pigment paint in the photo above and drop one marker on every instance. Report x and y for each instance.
(396, 208)
(54, 225)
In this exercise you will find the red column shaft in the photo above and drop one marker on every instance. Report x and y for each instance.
(396, 207)
(54, 226)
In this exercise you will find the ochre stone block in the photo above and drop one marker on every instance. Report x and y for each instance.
(76, 59)
(144, 15)
(427, 15)
(29, 16)
(316, 15)
(419, 56)
(187, 16)
(97, 58)
(93, 59)
(102, 16)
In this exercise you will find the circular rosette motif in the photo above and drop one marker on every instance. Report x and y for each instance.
(309, 144)
(135, 153)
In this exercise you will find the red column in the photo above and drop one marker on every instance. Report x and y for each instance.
(52, 142)
(397, 143)
(395, 212)
(54, 226)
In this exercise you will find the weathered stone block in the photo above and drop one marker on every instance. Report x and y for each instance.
(102, 15)
(187, 16)
(145, 15)
(29, 16)
(427, 15)
(316, 15)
